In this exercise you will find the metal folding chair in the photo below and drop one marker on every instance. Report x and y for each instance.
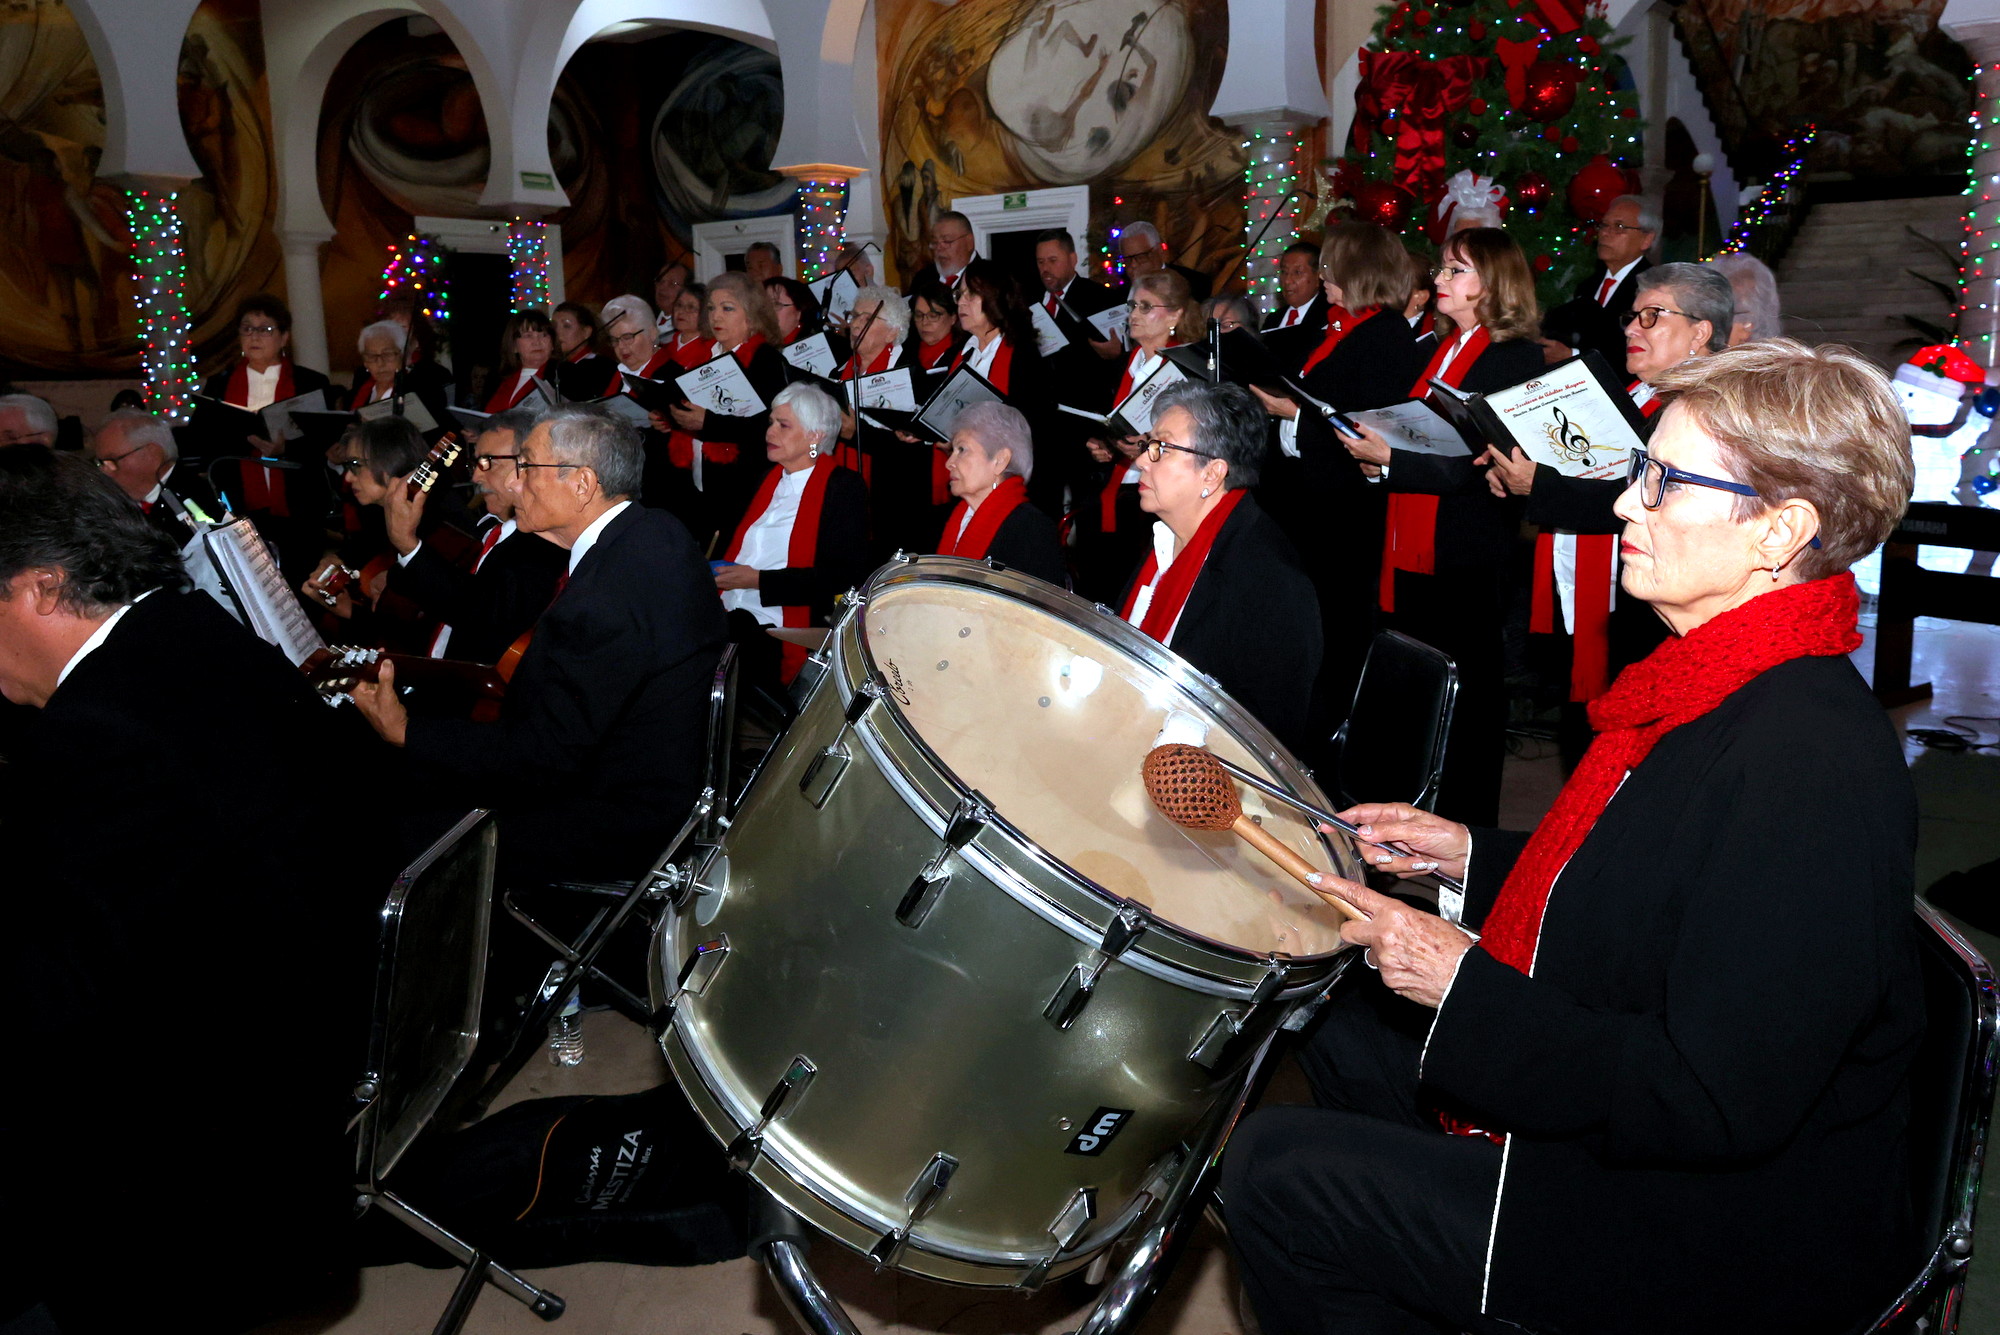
(1391, 746)
(425, 1024)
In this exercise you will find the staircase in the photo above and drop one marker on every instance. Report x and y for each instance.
(1847, 277)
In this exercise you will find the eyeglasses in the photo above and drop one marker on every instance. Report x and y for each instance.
(1445, 273)
(381, 358)
(1154, 446)
(347, 467)
(1617, 227)
(1648, 316)
(485, 463)
(1136, 306)
(619, 340)
(1653, 477)
(263, 329)
(112, 462)
(519, 462)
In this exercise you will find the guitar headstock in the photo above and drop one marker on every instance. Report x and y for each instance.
(440, 458)
(337, 669)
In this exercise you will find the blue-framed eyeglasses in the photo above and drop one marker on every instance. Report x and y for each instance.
(1653, 477)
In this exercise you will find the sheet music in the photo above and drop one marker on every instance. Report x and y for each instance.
(270, 608)
(721, 387)
(1049, 337)
(813, 354)
(633, 411)
(414, 412)
(278, 423)
(1566, 418)
(889, 389)
(836, 295)
(1111, 323)
(1137, 407)
(964, 389)
(202, 573)
(1415, 426)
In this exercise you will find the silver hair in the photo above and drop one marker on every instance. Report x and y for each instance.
(41, 417)
(815, 409)
(997, 427)
(895, 311)
(1228, 425)
(627, 307)
(1699, 292)
(601, 441)
(144, 428)
(388, 329)
(1756, 290)
(1649, 217)
(1245, 308)
(1145, 231)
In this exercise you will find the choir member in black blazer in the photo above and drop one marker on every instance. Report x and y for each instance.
(1442, 515)
(1366, 357)
(421, 374)
(802, 542)
(1080, 373)
(1223, 586)
(487, 602)
(953, 257)
(745, 326)
(597, 755)
(1294, 328)
(992, 456)
(1594, 316)
(264, 372)
(1142, 252)
(580, 367)
(1653, 1100)
(138, 451)
(136, 847)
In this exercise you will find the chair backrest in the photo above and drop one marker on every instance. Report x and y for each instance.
(1952, 1078)
(1391, 747)
(717, 772)
(429, 978)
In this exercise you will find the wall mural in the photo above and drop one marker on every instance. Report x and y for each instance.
(65, 285)
(987, 96)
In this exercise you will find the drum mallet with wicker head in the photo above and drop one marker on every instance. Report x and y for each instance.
(1191, 788)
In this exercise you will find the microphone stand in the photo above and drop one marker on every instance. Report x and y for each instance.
(1258, 240)
(1214, 350)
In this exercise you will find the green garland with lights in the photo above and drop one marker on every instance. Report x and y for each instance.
(165, 323)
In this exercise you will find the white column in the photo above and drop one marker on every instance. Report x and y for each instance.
(1980, 320)
(820, 213)
(303, 294)
(1271, 204)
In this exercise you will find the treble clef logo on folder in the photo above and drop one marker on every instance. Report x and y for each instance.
(1568, 439)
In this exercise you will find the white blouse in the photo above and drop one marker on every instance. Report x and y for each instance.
(768, 545)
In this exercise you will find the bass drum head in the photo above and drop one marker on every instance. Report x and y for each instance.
(1050, 722)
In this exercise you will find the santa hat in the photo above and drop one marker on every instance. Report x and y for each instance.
(1941, 369)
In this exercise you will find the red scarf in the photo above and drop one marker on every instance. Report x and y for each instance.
(1596, 587)
(655, 364)
(583, 353)
(261, 488)
(692, 353)
(1178, 582)
(1003, 365)
(363, 396)
(1107, 500)
(847, 453)
(504, 398)
(1340, 322)
(930, 354)
(747, 349)
(977, 537)
(680, 444)
(1677, 683)
(799, 553)
(1411, 541)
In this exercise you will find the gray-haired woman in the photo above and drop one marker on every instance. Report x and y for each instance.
(989, 462)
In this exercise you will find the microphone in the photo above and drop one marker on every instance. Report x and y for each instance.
(1214, 349)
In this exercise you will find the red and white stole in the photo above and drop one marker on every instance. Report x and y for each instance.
(261, 488)
(583, 353)
(655, 366)
(1595, 587)
(846, 453)
(1411, 541)
(505, 397)
(680, 444)
(977, 536)
(998, 375)
(1107, 500)
(1178, 581)
(366, 394)
(800, 550)
(1340, 322)
(930, 354)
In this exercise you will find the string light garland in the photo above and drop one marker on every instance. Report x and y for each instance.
(1760, 212)
(416, 270)
(165, 323)
(1976, 271)
(821, 219)
(1271, 173)
(528, 263)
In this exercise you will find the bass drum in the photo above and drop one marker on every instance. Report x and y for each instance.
(950, 987)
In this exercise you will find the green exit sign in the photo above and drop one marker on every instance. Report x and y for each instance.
(1019, 201)
(537, 181)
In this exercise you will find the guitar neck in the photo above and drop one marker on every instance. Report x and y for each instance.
(339, 668)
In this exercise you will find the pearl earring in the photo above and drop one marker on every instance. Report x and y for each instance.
(1204, 493)
(1774, 573)
(812, 450)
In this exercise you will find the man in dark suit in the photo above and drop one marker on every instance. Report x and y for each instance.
(1594, 317)
(485, 605)
(183, 842)
(1296, 327)
(137, 451)
(952, 255)
(1082, 373)
(1140, 247)
(597, 755)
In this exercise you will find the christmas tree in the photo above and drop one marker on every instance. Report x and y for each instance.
(1518, 92)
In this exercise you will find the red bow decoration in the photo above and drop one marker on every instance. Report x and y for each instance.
(1416, 93)
(1515, 57)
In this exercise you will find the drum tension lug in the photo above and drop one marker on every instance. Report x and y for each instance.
(784, 1096)
(1068, 1227)
(922, 1198)
(1272, 983)
(1074, 994)
(701, 967)
(968, 818)
(1215, 1040)
(1124, 931)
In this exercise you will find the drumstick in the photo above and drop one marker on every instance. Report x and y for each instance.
(1269, 789)
(1191, 788)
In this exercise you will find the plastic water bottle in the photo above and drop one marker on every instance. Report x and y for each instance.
(566, 1034)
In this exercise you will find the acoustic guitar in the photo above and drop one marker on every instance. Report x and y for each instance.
(335, 671)
(337, 578)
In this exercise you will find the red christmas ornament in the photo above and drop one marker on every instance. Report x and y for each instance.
(1383, 203)
(1592, 189)
(1587, 44)
(1629, 113)
(1569, 144)
(1422, 18)
(1551, 90)
(1477, 106)
(1534, 190)
(1476, 30)
(1543, 264)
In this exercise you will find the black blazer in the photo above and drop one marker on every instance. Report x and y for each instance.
(304, 381)
(1584, 325)
(1026, 541)
(841, 556)
(1707, 1077)
(1077, 375)
(491, 609)
(1475, 529)
(1292, 346)
(597, 754)
(1315, 316)
(976, 265)
(1252, 622)
(225, 856)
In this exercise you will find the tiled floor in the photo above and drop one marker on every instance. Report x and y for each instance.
(1960, 796)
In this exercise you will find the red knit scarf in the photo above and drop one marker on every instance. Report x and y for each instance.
(261, 488)
(998, 377)
(977, 536)
(1677, 683)
(1411, 541)
(1340, 322)
(1178, 582)
(800, 551)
